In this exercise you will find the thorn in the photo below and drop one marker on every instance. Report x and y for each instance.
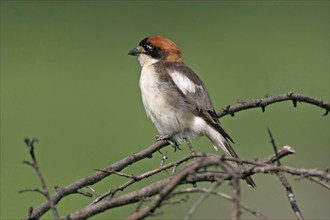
(290, 93)
(27, 140)
(263, 108)
(326, 112)
(294, 103)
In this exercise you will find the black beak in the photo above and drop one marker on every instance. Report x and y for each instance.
(134, 52)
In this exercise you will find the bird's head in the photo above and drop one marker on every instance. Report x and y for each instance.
(155, 48)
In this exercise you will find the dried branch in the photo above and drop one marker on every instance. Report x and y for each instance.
(174, 182)
(188, 170)
(193, 208)
(186, 175)
(134, 179)
(73, 188)
(44, 191)
(236, 198)
(291, 196)
(325, 185)
(285, 182)
(262, 103)
(207, 191)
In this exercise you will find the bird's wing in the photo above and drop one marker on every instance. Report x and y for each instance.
(196, 95)
(190, 85)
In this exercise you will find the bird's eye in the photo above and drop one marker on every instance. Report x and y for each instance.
(148, 47)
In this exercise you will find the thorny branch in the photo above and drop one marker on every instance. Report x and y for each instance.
(185, 176)
(193, 168)
(262, 103)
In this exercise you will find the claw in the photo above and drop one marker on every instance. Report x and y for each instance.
(176, 146)
(166, 137)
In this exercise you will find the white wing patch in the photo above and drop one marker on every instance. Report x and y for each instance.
(183, 82)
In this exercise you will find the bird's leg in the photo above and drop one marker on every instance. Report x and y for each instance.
(166, 137)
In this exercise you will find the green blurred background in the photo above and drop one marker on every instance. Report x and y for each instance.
(66, 78)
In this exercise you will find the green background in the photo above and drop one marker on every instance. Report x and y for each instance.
(66, 78)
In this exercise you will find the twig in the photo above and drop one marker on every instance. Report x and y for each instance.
(284, 151)
(291, 197)
(220, 194)
(173, 182)
(272, 141)
(155, 188)
(96, 177)
(44, 190)
(306, 173)
(175, 202)
(285, 183)
(32, 190)
(201, 199)
(236, 198)
(327, 186)
(134, 179)
(93, 190)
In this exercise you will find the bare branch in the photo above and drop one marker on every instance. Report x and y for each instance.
(32, 190)
(163, 188)
(285, 182)
(291, 197)
(44, 191)
(173, 182)
(96, 177)
(236, 198)
(325, 185)
(190, 169)
(262, 103)
(134, 179)
(284, 151)
(201, 199)
(305, 173)
(207, 191)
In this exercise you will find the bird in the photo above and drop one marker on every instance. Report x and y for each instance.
(176, 99)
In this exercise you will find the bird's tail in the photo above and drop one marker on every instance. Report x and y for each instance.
(220, 142)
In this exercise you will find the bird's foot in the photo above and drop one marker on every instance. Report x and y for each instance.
(166, 137)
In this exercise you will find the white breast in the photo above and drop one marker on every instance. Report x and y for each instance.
(157, 108)
(149, 91)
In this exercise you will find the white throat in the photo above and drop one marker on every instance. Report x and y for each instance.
(146, 60)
